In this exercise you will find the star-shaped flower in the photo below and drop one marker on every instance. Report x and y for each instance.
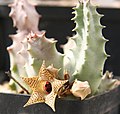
(45, 86)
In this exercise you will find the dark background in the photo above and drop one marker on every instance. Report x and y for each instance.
(57, 23)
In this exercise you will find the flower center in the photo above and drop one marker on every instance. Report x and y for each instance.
(48, 87)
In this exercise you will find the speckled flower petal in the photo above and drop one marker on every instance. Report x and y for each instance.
(32, 82)
(50, 100)
(36, 97)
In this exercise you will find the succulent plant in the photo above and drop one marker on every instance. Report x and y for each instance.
(21, 13)
(108, 82)
(30, 46)
(84, 54)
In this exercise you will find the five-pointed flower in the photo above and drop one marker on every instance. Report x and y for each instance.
(45, 86)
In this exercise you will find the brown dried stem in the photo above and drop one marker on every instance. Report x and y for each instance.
(9, 75)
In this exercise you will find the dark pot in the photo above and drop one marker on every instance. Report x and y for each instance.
(106, 103)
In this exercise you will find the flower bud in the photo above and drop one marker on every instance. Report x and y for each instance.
(80, 89)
